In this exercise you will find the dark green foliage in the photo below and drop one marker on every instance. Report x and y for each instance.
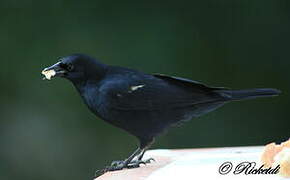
(47, 133)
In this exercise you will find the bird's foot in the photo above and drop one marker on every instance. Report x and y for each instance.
(137, 163)
(115, 165)
(132, 164)
(119, 165)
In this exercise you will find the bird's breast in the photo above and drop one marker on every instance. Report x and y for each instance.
(90, 97)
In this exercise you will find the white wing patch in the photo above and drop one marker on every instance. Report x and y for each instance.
(134, 88)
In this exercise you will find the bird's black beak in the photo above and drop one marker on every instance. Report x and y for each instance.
(55, 70)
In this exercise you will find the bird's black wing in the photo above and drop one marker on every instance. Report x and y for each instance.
(147, 92)
(187, 83)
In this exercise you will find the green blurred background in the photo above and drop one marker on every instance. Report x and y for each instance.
(47, 133)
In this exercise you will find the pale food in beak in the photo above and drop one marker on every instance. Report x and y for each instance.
(48, 74)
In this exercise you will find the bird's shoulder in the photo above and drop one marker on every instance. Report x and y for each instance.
(125, 81)
(124, 88)
(129, 89)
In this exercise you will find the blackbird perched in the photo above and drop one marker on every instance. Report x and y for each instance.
(142, 104)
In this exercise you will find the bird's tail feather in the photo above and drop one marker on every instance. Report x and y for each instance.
(248, 93)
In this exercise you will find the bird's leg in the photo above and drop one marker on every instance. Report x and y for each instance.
(138, 161)
(124, 164)
(118, 165)
(140, 156)
(128, 163)
(128, 160)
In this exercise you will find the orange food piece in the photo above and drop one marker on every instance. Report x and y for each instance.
(268, 157)
(283, 158)
(269, 153)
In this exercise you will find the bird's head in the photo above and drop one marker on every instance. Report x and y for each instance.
(76, 68)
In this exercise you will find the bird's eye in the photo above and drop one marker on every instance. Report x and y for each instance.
(69, 67)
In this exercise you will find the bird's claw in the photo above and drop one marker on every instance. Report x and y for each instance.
(144, 161)
(149, 160)
(116, 165)
(99, 172)
(119, 165)
(136, 163)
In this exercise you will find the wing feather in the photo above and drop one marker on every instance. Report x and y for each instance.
(187, 82)
(156, 92)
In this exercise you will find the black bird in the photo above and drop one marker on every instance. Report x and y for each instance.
(142, 104)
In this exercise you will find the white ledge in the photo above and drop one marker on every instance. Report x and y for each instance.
(190, 164)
